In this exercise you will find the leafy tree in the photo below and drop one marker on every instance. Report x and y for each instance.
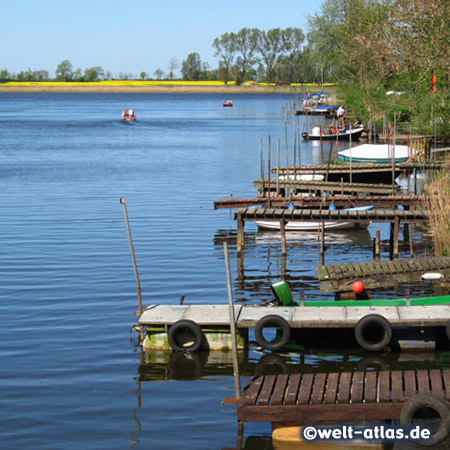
(93, 73)
(191, 68)
(247, 45)
(64, 71)
(159, 74)
(271, 49)
(174, 64)
(143, 75)
(4, 75)
(225, 47)
(293, 61)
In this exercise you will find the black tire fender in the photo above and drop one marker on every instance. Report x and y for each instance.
(284, 332)
(433, 402)
(373, 320)
(183, 327)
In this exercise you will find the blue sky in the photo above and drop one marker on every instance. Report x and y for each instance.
(131, 36)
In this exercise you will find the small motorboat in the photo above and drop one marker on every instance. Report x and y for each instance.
(227, 103)
(127, 117)
(314, 226)
(377, 153)
(340, 135)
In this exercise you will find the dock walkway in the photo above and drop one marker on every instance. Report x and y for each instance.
(338, 277)
(346, 396)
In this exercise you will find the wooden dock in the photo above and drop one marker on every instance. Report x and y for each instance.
(312, 201)
(359, 172)
(338, 277)
(346, 396)
(320, 186)
(395, 217)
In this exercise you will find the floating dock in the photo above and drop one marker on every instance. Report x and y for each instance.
(338, 277)
(346, 396)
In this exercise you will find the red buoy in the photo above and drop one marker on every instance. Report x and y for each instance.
(358, 287)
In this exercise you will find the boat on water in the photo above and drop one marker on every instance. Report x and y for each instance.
(303, 177)
(377, 153)
(340, 135)
(227, 103)
(314, 226)
(129, 118)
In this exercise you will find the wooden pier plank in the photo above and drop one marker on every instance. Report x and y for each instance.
(318, 388)
(397, 386)
(250, 394)
(344, 387)
(370, 387)
(331, 388)
(410, 384)
(293, 389)
(423, 382)
(266, 390)
(357, 387)
(384, 391)
(305, 388)
(437, 386)
(279, 391)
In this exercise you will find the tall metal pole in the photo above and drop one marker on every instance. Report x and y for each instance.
(123, 202)
(237, 381)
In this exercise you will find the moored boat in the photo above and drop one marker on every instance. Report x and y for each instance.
(378, 153)
(314, 226)
(341, 135)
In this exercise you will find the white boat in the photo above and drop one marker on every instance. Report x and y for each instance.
(380, 153)
(302, 177)
(307, 225)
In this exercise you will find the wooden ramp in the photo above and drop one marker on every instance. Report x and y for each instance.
(337, 278)
(347, 396)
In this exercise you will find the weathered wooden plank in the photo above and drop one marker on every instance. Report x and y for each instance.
(266, 390)
(331, 388)
(410, 384)
(446, 380)
(437, 386)
(357, 387)
(397, 386)
(305, 388)
(370, 387)
(318, 388)
(344, 387)
(250, 394)
(292, 389)
(423, 382)
(279, 390)
(384, 391)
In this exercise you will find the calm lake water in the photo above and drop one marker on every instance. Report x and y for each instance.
(71, 374)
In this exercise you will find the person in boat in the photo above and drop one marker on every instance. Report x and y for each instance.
(316, 131)
(130, 112)
(331, 129)
(341, 116)
(125, 112)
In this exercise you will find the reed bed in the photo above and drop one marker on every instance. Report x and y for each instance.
(437, 192)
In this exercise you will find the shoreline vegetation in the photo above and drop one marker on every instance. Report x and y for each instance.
(177, 86)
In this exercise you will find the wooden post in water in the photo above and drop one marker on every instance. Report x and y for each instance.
(283, 236)
(396, 235)
(278, 168)
(240, 235)
(237, 382)
(261, 160)
(123, 202)
(411, 248)
(377, 245)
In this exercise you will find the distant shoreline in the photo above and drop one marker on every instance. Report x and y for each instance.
(157, 88)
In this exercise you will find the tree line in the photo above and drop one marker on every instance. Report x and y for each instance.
(389, 56)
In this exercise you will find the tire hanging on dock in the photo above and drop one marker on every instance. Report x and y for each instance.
(283, 332)
(428, 401)
(373, 332)
(185, 336)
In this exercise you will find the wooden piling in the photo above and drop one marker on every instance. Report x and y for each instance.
(240, 234)
(377, 246)
(283, 236)
(396, 235)
(411, 248)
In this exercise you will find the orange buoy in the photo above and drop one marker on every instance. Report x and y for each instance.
(358, 287)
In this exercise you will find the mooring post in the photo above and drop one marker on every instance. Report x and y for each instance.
(377, 245)
(123, 202)
(396, 236)
(411, 248)
(237, 380)
(240, 234)
(283, 236)
(268, 173)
